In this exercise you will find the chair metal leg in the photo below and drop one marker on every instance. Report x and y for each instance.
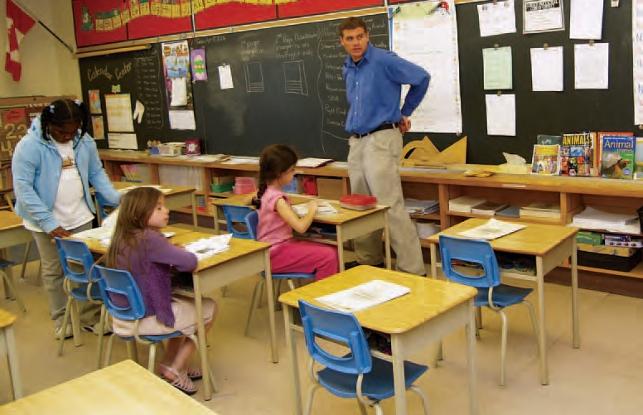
(478, 318)
(362, 407)
(378, 409)
(12, 288)
(151, 359)
(425, 401)
(253, 304)
(132, 352)
(311, 396)
(75, 323)
(291, 285)
(108, 351)
(63, 328)
(503, 347)
(101, 330)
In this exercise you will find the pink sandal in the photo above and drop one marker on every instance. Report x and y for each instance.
(194, 373)
(181, 381)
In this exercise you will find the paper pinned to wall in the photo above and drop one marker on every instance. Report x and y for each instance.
(497, 18)
(586, 19)
(119, 112)
(591, 66)
(182, 120)
(497, 68)
(547, 69)
(225, 77)
(440, 111)
(124, 141)
(501, 114)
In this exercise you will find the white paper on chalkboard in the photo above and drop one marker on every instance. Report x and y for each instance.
(124, 141)
(119, 112)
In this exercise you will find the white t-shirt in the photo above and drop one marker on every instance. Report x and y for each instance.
(70, 208)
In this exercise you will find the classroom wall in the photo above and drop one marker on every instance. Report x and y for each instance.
(48, 67)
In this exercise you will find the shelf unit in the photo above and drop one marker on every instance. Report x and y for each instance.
(572, 193)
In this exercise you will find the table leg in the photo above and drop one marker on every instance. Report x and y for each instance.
(575, 317)
(434, 261)
(397, 355)
(470, 333)
(203, 351)
(542, 335)
(387, 242)
(195, 221)
(271, 308)
(340, 247)
(291, 345)
(216, 219)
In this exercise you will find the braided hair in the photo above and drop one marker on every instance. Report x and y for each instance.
(275, 160)
(63, 111)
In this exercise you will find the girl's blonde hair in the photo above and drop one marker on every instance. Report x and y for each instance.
(134, 212)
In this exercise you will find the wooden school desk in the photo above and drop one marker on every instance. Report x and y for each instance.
(8, 343)
(12, 233)
(243, 259)
(122, 388)
(551, 245)
(177, 197)
(430, 311)
(349, 224)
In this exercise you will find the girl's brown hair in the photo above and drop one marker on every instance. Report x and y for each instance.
(134, 212)
(275, 160)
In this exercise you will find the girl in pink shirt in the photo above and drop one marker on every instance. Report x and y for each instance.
(277, 219)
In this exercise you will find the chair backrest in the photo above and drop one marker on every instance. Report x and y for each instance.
(252, 221)
(474, 251)
(121, 295)
(73, 253)
(339, 327)
(235, 216)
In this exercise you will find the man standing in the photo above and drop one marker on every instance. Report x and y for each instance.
(374, 78)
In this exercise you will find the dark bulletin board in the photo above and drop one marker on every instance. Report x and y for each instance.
(139, 74)
(541, 112)
(288, 88)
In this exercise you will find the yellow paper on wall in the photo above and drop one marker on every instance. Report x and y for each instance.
(135, 11)
(144, 8)
(197, 6)
(107, 25)
(425, 153)
(185, 8)
(176, 11)
(116, 22)
(125, 16)
(165, 10)
(100, 27)
(210, 3)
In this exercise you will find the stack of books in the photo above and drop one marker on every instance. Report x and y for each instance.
(488, 208)
(540, 210)
(464, 203)
(422, 207)
(592, 218)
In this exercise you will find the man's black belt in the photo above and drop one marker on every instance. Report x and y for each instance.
(385, 126)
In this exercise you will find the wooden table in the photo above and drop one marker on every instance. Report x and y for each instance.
(551, 245)
(8, 341)
(177, 197)
(123, 388)
(244, 258)
(349, 224)
(430, 311)
(12, 233)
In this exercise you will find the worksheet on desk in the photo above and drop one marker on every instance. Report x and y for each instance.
(364, 295)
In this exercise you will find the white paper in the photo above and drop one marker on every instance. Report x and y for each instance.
(637, 57)
(542, 15)
(547, 69)
(323, 208)
(440, 111)
(182, 120)
(497, 68)
(225, 77)
(501, 114)
(492, 229)
(591, 66)
(312, 162)
(497, 18)
(139, 110)
(586, 19)
(118, 108)
(364, 295)
(207, 247)
(179, 92)
(122, 140)
(592, 218)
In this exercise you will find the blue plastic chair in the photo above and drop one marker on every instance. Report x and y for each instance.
(77, 264)
(491, 293)
(235, 220)
(251, 220)
(124, 301)
(356, 374)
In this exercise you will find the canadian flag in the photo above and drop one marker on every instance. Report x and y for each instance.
(18, 24)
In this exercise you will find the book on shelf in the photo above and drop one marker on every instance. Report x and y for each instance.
(488, 208)
(464, 203)
(540, 210)
(598, 145)
(312, 162)
(423, 207)
(546, 139)
(509, 212)
(546, 159)
(638, 155)
(617, 157)
(577, 155)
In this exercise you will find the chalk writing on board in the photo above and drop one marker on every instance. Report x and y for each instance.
(148, 73)
(295, 78)
(254, 77)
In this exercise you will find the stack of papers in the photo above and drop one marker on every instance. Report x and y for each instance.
(421, 206)
(241, 160)
(207, 247)
(312, 162)
(464, 203)
(323, 208)
(592, 218)
(488, 208)
(492, 229)
(364, 296)
(540, 210)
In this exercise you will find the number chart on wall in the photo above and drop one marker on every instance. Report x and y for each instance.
(14, 123)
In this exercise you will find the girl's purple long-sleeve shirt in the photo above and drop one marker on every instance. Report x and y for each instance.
(151, 261)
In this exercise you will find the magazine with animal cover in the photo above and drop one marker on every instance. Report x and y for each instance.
(617, 157)
(577, 155)
(598, 145)
(546, 159)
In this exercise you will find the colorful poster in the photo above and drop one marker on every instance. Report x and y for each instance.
(199, 70)
(94, 102)
(176, 68)
(98, 128)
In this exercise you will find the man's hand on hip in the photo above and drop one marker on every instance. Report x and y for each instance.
(405, 124)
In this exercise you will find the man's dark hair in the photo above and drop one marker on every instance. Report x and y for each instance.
(350, 24)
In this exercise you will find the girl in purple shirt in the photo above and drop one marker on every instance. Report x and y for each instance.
(277, 219)
(139, 247)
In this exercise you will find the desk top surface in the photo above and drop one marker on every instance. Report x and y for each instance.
(6, 318)
(534, 239)
(123, 388)
(98, 248)
(343, 215)
(9, 220)
(428, 297)
(173, 190)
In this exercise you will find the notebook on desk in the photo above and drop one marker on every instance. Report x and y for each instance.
(364, 296)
